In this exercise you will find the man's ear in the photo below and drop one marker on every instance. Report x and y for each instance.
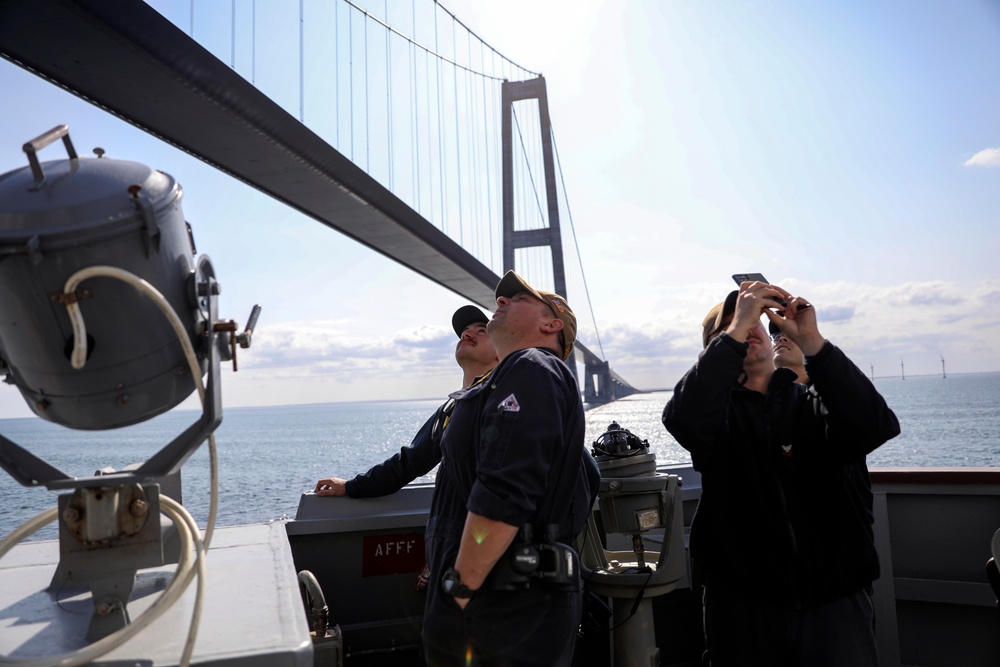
(555, 325)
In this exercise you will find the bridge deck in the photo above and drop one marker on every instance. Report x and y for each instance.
(180, 92)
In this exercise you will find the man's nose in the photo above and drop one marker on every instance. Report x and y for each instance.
(502, 301)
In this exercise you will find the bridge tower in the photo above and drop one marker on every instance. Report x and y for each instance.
(513, 91)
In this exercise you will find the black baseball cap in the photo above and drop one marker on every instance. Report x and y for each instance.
(465, 316)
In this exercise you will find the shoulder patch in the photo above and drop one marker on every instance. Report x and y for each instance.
(510, 404)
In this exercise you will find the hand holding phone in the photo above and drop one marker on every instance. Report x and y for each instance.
(757, 277)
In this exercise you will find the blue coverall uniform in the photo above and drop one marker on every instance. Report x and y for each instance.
(503, 453)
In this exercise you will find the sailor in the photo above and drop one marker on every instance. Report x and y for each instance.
(787, 354)
(512, 456)
(783, 532)
(477, 358)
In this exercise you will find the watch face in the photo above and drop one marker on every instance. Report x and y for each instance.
(451, 583)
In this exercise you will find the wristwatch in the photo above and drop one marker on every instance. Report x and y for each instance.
(451, 583)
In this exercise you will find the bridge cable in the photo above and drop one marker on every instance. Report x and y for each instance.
(302, 62)
(489, 176)
(435, 52)
(527, 163)
(458, 141)
(437, 83)
(472, 132)
(576, 243)
(336, 64)
(388, 94)
(469, 30)
(232, 38)
(498, 157)
(368, 115)
(430, 164)
(350, 68)
(414, 103)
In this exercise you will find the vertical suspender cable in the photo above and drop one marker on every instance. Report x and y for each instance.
(414, 103)
(473, 133)
(437, 83)
(336, 64)
(350, 71)
(368, 143)
(302, 61)
(232, 35)
(486, 146)
(430, 164)
(576, 244)
(458, 141)
(388, 88)
(253, 43)
(497, 261)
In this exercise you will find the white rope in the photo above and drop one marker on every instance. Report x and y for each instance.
(187, 528)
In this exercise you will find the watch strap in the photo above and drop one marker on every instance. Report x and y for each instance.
(452, 584)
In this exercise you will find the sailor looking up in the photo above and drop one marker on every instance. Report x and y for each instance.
(513, 456)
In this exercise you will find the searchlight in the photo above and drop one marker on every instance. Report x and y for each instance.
(107, 318)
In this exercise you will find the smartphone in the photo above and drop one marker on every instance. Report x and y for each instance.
(758, 277)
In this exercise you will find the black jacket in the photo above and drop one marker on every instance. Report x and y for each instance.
(412, 461)
(786, 506)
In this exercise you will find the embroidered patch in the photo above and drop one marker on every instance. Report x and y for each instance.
(510, 404)
(786, 451)
(558, 305)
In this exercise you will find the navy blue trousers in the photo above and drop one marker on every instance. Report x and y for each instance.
(501, 629)
(742, 631)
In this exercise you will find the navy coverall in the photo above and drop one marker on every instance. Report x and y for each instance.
(503, 456)
(410, 462)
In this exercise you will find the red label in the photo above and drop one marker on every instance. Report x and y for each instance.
(392, 554)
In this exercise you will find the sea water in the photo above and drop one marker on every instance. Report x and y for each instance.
(269, 456)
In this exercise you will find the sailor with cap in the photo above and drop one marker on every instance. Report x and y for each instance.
(475, 355)
(513, 457)
(787, 354)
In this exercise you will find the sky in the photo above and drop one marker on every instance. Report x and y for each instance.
(849, 151)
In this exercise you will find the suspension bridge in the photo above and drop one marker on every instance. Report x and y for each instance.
(405, 131)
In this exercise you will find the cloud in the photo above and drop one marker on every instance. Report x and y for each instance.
(325, 347)
(988, 157)
(838, 313)
(876, 325)
(926, 293)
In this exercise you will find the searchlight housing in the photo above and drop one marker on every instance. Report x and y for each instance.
(107, 319)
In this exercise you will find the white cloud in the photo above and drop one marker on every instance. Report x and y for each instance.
(988, 157)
